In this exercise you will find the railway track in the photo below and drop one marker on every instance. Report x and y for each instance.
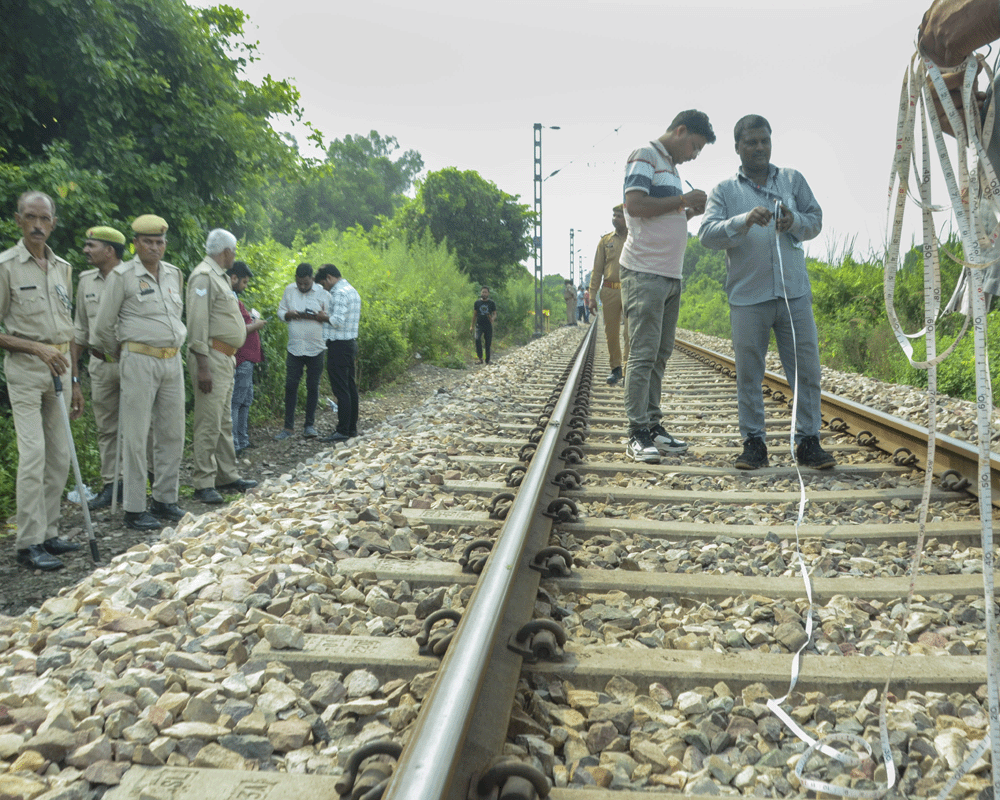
(638, 652)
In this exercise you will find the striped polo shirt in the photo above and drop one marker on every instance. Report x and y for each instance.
(654, 244)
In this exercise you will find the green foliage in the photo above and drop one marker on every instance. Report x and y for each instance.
(515, 310)
(486, 228)
(146, 104)
(854, 331)
(704, 306)
(699, 262)
(359, 182)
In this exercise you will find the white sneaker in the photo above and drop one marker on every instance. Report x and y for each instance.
(641, 448)
(664, 442)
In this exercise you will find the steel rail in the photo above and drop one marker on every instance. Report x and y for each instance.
(428, 764)
(891, 434)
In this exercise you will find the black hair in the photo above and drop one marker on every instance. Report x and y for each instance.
(747, 123)
(304, 271)
(240, 270)
(696, 122)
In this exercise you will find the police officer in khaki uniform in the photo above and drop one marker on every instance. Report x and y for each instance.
(36, 309)
(139, 323)
(606, 269)
(569, 295)
(216, 330)
(103, 249)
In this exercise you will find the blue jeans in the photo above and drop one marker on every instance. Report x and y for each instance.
(242, 398)
(651, 304)
(752, 326)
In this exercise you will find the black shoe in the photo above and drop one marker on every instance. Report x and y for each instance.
(615, 376)
(209, 495)
(56, 546)
(336, 436)
(170, 511)
(754, 455)
(103, 498)
(141, 521)
(238, 451)
(36, 557)
(810, 454)
(354, 434)
(239, 485)
(250, 446)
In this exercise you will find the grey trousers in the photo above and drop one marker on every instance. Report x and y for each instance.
(752, 326)
(651, 304)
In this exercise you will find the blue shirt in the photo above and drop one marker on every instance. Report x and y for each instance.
(752, 271)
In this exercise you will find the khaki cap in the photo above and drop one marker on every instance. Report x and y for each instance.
(150, 225)
(103, 233)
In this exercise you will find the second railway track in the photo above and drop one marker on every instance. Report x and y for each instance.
(664, 614)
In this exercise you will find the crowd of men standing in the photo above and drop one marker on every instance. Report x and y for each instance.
(131, 321)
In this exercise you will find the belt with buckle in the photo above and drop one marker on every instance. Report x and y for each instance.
(155, 352)
(222, 347)
(612, 285)
(102, 356)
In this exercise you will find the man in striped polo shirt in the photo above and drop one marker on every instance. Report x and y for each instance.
(768, 288)
(656, 212)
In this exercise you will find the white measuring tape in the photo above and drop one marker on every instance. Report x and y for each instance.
(974, 191)
(824, 745)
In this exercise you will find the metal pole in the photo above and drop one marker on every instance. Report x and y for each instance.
(80, 488)
(539, 322)
(572, 259)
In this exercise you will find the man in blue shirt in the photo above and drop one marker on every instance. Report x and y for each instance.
(751, 216)
(341, 333)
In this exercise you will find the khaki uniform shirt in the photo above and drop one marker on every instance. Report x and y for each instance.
(213, 312)
(36, 304)
(135, 307)
(606, 266)
(88, 297)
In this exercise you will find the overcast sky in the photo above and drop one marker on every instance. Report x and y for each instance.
(463, 82)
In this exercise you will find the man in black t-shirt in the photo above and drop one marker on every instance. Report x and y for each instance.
(484, 313)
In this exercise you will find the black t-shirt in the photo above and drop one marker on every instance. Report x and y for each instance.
(484, 310)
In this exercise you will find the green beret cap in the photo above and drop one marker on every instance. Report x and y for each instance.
(150, 225)
(103, 233)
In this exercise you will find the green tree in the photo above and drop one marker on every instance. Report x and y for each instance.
(149, 98)
(361, 180)
(486, 228)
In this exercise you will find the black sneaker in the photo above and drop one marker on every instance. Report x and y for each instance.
(664, 442)
(641, 448)
(754, 455)
(809, 454)
(615, 376)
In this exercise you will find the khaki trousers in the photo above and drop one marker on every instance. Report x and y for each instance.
(42, 449)
(571, 312)
(152, 396)
(212, 439)
(105, 388)
(611, 302)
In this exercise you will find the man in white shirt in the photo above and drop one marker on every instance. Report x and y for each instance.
(305, 306)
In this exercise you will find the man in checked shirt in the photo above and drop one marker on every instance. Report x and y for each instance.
(341, 333)
(768, 291)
